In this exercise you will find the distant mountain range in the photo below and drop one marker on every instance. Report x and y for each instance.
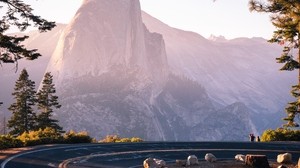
(120, 71)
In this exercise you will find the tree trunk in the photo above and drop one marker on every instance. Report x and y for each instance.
(298, 107)
(299, 57)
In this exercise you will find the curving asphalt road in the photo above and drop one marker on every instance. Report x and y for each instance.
(132, 155)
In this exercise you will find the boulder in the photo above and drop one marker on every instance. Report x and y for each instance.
(150, 163)
(257, 161)
(210, 157)
(180, 162)
(299, 162)
(240, 157)
(154, 163)
(160, 163)
(192, 160)
(284, 158)
(282, 166)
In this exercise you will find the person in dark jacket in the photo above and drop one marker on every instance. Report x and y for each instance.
(252, 137)
(257, 139)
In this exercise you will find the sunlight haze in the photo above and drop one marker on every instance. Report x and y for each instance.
(183, 70)
(229, 18)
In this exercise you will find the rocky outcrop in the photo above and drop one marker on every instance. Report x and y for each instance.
(110, 68)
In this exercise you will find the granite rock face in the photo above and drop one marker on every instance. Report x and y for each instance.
(113, 77)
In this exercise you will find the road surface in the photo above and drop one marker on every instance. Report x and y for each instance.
(132, 155)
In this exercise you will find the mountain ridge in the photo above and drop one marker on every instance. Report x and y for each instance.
(139, 58)
(168, 54)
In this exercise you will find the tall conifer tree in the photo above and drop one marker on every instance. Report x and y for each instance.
(285, 16)
(23, 118)
(47, 100)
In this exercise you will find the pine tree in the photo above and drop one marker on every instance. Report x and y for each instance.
(19, 14)
(46, 101)
(23, 118)
(285, 16)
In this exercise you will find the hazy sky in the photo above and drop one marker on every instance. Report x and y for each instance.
(230, 18)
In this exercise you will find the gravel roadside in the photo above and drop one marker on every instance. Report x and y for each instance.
(228, 164)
